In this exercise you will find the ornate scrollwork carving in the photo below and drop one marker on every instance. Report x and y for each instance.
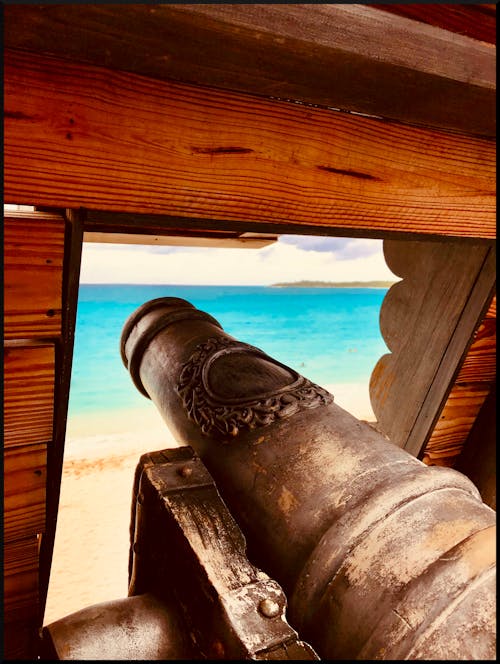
(227, 417)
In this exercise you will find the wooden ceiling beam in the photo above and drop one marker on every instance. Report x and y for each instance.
(82, 136)
(477, 21)
(351, 57)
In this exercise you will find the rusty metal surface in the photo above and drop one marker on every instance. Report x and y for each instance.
(380, 556)
(186, 546)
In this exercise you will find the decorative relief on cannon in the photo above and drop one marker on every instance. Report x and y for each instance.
(223, 404)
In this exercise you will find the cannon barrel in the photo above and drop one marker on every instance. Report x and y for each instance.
(381, 556)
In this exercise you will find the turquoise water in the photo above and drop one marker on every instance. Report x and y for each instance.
(330, 335)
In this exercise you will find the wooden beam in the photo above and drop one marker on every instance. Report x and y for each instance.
(78, 135)
(477, 21)
(245, 241)
(64, 361)
(348, 56)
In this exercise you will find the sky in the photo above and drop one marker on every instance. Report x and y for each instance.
(291, 258)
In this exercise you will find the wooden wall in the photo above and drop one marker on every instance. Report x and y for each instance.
(33, 260)
(36, 253)
(440, 339)
(473, 384)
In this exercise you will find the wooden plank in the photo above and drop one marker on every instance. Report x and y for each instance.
(24, 491)
(245, 241)
(473, 384)
(78, 135)
(492, 310)
(455, 423)
(55, 452)
(20, 560)
(480, 362)
(427, 321)
(475, 21)
(106, 222)
(33, 255)
(29, 374)
(351, 57)
(453, 356)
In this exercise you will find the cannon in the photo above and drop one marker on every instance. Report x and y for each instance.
(373, 554)
(379, 555)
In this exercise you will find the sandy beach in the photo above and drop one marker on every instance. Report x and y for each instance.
(92, 540)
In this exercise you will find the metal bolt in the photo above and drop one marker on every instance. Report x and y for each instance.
(185, 471)
(269, 608)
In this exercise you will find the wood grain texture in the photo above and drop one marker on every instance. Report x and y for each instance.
(246, 241)
(186, 545)
(427, 320)
(455, 423)
(29, 374)
(350, 57)
(480, 362)
(20, 578)
(492, 310)
(78, 135)
(472, 388)
(33, 257)
(71, 278)
(475, 21)
(24, 491)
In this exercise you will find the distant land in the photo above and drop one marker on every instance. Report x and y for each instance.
(334, 284)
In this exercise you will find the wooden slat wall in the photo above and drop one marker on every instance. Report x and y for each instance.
(24, 491)
(468, 394)
(29, 374)
(33, 259)
(33, 279)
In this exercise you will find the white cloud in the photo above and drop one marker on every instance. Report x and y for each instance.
(342, 247)
(349, 260)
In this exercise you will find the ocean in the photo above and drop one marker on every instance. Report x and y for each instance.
(329, 335)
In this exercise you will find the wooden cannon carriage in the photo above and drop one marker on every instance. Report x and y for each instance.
(232, 124)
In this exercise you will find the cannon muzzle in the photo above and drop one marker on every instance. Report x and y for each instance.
(380, 556)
